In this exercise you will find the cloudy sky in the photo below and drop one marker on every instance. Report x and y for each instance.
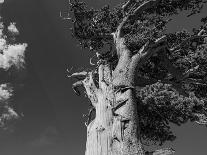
(53, 122)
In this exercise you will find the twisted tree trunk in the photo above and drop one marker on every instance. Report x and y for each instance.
(115, 129)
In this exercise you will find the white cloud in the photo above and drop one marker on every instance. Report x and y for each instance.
(13, 29)
(1, 1)
(5, 92)
(1, 29)
(7, 113)
(2, 44)
(12, 55)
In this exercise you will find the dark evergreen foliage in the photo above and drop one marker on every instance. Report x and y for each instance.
(175, 94)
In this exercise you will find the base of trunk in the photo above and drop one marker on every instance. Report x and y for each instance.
(114, 132)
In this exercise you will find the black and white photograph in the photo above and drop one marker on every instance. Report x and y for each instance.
(103, 77)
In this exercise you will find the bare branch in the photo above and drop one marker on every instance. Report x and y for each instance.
(91, 63)
(86, 79)
(80, 75)
(91, 88)
(127, 4)
(75, 87)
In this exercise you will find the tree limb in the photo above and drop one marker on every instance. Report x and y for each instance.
(80, 75)
(148, 50)
(187, 41)
(91, 88)
(138, 10)
(75, 87)
(127, 4)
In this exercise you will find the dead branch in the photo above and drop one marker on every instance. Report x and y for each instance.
(91, 89)
(75, 87)
(86, 79)
(127, 4)
(80, 75)
(91, 63)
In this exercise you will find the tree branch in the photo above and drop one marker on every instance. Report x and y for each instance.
(139, 9)
(91, 88)
(183, 43)
(86, 79)
(80, 75)
(75, 87)
(148, 50)
(127, 4)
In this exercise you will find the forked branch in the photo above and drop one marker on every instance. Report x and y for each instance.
(134, 12)
(86, 80)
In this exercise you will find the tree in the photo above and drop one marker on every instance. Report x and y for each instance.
(145, 77)
(11, 62)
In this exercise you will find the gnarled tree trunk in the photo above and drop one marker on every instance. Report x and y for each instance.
(115, 129)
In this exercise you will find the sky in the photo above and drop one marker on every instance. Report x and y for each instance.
(52, 122)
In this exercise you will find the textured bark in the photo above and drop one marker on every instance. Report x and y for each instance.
(115, 129)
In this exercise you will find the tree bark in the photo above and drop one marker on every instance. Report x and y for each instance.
(115, 129)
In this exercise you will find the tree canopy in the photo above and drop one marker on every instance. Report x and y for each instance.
(172, 79)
